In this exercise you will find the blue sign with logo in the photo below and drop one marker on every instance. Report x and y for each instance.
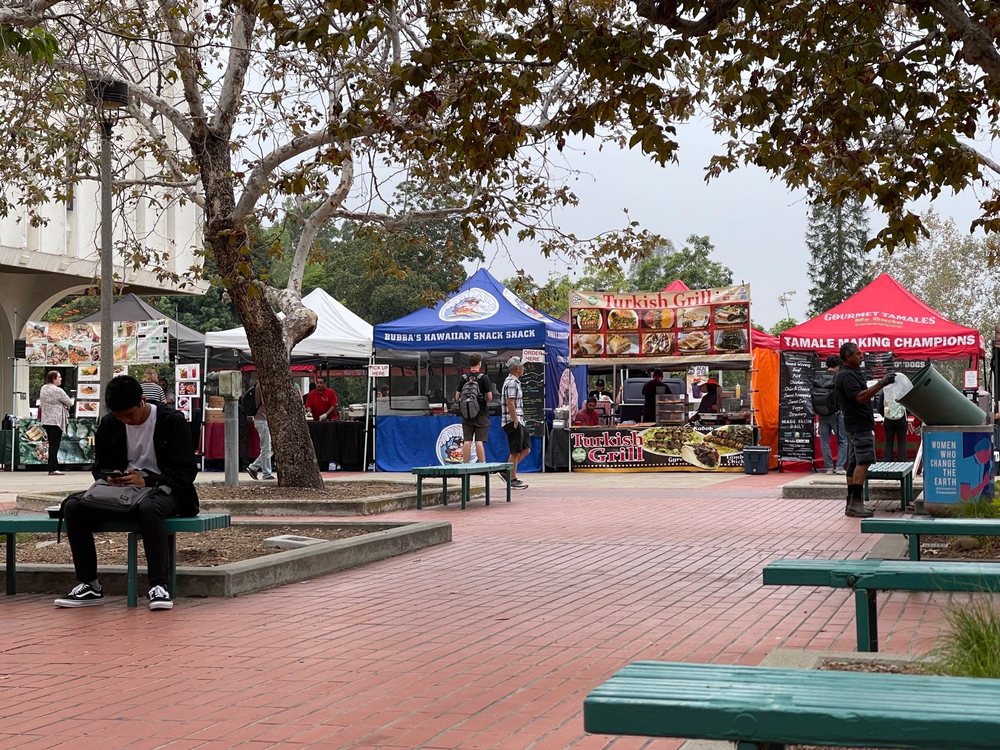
(958, 464)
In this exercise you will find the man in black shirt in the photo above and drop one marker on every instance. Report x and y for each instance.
(649, 392)
(854, 397)
(600, 392)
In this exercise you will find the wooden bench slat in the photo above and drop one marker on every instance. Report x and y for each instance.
(760, 704)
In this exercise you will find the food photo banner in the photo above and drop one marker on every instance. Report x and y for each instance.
(698, 325)
(661, 448)
(61, 344)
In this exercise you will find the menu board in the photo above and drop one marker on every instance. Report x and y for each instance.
(877, 364)
(533, 397)
(795, 412)
(135, 342)
(702, 325)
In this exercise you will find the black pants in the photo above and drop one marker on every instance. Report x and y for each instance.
(150, 513)
(895, 437)
(55, 438)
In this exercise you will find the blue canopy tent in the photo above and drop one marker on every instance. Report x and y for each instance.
(482, 316)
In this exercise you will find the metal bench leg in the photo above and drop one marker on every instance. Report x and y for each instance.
(487, 475)
(759, 746)
(444, 491)
(867, 616)
(420, 483)
(508, 470)
(914, 540)
(132, 574)
(172, 554)
(866, 499)
(465, 489)
(11, 564)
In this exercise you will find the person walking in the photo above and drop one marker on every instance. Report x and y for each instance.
(151, 388)
(831, 416)
(475, 429)
(263, 461)
(518, 439)
(855, 398)
(53, 411)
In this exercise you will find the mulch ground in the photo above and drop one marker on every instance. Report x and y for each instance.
(960, 547)
(204, 549)
(220, 546)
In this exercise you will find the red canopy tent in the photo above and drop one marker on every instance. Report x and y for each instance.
(885, 317)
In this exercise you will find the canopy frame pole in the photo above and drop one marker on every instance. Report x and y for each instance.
(368, 421)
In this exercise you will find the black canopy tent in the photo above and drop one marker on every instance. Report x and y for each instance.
(185, 343)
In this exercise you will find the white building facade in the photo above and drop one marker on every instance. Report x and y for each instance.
(42, 264)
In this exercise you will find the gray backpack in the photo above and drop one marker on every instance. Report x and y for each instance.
(469, 398)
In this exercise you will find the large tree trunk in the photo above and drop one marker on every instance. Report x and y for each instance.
(227, 240)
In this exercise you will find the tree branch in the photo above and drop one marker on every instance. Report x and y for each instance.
(236, 71)
(257, 183)
(315, 222)
(187, 63)
(26, 13)
(666, 13)
(978, 46)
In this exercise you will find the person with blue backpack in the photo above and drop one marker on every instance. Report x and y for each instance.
(473, 397)
(831, 418)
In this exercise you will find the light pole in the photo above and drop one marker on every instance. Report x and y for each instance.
(109, 97)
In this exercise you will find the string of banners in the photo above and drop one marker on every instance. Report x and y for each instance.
(62, 344)
(704, 323)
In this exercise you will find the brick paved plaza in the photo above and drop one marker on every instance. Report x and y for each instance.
(491, 641)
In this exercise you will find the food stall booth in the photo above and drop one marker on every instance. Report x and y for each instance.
(668, 330)
(895, 329)
(341, 338)
(73, 349)
(484, 317)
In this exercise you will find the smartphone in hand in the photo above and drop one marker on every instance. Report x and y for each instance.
(112, 474)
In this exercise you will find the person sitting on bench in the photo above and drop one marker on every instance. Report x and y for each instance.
(144, 445)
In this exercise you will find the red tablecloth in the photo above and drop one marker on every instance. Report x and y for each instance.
(214, 441)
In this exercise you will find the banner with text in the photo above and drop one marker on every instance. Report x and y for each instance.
(664, 448)
(697, 325)
(62, 344)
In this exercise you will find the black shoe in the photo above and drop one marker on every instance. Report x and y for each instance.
(857, 509)
(159, 598)
(81, 595)
(252, 472)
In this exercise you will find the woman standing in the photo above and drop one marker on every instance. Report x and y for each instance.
(53, 405)
(151, 388)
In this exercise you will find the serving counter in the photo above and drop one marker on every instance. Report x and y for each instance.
(335, 442)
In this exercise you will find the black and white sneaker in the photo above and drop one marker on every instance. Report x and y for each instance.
(159, 598)
(252, 472)
(517, 484)
(81, 595)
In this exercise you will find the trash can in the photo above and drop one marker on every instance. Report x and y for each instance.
(935, 401)
(756, 458)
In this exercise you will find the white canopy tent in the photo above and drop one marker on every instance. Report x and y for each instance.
(339, 334)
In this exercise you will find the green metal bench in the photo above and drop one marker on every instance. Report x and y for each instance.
(901, 471)
(765, 708)
(867, 577)
(464, 472)
(914, 528)
(11, 525)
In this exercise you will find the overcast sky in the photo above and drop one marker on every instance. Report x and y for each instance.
(756, 224)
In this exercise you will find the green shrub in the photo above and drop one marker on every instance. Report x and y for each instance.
(979, 509)
(971, 646)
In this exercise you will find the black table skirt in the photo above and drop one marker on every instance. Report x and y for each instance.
(339, 442)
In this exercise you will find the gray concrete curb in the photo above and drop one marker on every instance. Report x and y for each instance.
(248, 576)
(364, 506)
(819, 486)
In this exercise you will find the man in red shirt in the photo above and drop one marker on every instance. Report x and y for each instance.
(322, 401)
(588, 416)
